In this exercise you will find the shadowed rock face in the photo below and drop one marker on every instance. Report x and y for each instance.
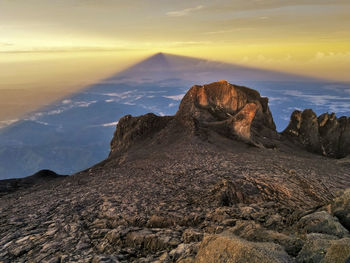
(326, 134)
(131, 130)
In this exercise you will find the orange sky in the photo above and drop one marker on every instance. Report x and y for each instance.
(55, 47)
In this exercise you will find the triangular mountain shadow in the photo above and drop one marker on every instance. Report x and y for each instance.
(162, 66)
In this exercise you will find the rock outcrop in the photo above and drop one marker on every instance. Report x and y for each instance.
(132, 130)
(233, 111)
(326, 134)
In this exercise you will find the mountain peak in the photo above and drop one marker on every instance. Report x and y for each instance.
(230, 110)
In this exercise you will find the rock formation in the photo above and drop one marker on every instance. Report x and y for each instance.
(326, 134)
(191, 188)
(131, 130)
(232, 110)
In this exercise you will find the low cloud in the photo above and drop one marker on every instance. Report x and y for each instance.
(175, 97)
(6, 123)
(110, 124)
(228, 31)
(337, 104)
(184, 12)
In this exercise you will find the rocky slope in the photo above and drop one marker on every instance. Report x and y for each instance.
(214, 183)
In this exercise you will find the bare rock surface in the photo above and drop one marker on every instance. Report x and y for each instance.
(322, 222)
(326, 134)
(233, 111)
(229, 248)
(171, 182)
(324, 249)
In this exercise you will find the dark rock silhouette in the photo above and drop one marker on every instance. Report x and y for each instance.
(41, 177)
(326, 134)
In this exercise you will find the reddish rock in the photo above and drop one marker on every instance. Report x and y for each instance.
(234, 111)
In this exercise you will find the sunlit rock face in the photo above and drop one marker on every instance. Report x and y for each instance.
(326, 134)
(229, 109)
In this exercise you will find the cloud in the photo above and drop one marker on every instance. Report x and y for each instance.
(228, 31)
(109, 124)
(66, 102)
(276, 100)
(85, 103)
(121, 95)
(53, 112)
(3, 124)
(184, 12)
(331, 56)
(243, 5)
(42, 123)
(175, 97)
(333, 103)
(66, 105)
(33, 50)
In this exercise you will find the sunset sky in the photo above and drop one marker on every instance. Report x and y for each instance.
(80, 41)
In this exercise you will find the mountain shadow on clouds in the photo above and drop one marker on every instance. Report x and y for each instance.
(74, 133)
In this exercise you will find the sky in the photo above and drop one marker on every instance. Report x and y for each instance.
(58, 46)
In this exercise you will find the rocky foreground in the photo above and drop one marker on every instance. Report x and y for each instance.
(214, 183)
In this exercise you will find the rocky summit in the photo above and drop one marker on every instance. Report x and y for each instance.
(214, 183)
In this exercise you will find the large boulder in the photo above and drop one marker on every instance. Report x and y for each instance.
(324, 248)
(340, 208)
(228, 248)
(231, 110)
(326, 134)
(322, 222)
(253, 231)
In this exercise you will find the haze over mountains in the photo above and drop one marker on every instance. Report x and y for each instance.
(75, 132)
